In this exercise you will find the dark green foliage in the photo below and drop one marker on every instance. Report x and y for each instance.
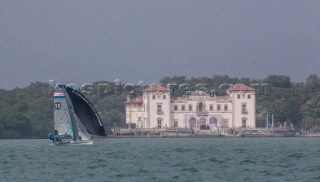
(28, 112)
(279, 81)
(311, 113)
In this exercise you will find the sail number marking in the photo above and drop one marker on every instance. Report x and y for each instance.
(57, 105)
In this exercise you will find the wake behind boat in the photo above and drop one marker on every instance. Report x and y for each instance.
(76, 121)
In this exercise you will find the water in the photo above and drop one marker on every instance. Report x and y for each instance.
(163, 159)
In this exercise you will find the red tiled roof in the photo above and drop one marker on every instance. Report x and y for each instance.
(136, 100)
(240, 87)
(224, 97)
(156, 88)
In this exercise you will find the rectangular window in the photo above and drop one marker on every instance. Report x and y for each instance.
(175, 107)
(159, 123)
(164, 97)
(153, 97)
(238, 96)
(218, 107)
(226, 123)
(244, 123)
(244, 108)
(190, 107)
(211, 107)
(226, 107)
(182, 107)
(159, 109)
(175, 124)
(249, 96)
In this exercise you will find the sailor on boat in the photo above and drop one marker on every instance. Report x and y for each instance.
(57, 139)
(51, 137)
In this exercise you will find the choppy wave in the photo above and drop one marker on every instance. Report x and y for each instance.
(163, 159)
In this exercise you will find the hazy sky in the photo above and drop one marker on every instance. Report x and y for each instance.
(82, 41)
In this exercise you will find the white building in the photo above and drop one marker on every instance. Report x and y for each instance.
(197, 110)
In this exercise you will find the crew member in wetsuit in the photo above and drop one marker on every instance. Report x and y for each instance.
(57, 139)
(51, 137)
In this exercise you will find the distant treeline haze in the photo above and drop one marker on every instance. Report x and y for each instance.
(28, 112)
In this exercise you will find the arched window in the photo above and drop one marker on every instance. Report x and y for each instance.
(203, 124)
(203, 121)
(214, 121)
(200, 107)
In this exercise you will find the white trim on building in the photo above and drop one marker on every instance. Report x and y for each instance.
(197, 110)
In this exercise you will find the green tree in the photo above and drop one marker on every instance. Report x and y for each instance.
(113, 120)
(311, 113)
(279, 81)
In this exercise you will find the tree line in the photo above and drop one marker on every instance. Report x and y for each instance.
(28, 112)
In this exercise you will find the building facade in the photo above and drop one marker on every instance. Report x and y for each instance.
(197, 110)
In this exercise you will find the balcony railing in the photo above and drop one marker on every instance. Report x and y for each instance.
(244, 111)
(202, 113)
(159, 112)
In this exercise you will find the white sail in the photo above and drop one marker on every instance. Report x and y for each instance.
(62, 117)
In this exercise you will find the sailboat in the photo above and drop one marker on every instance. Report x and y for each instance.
(76, 121)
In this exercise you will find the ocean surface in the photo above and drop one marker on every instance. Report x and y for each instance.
(163, 159)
